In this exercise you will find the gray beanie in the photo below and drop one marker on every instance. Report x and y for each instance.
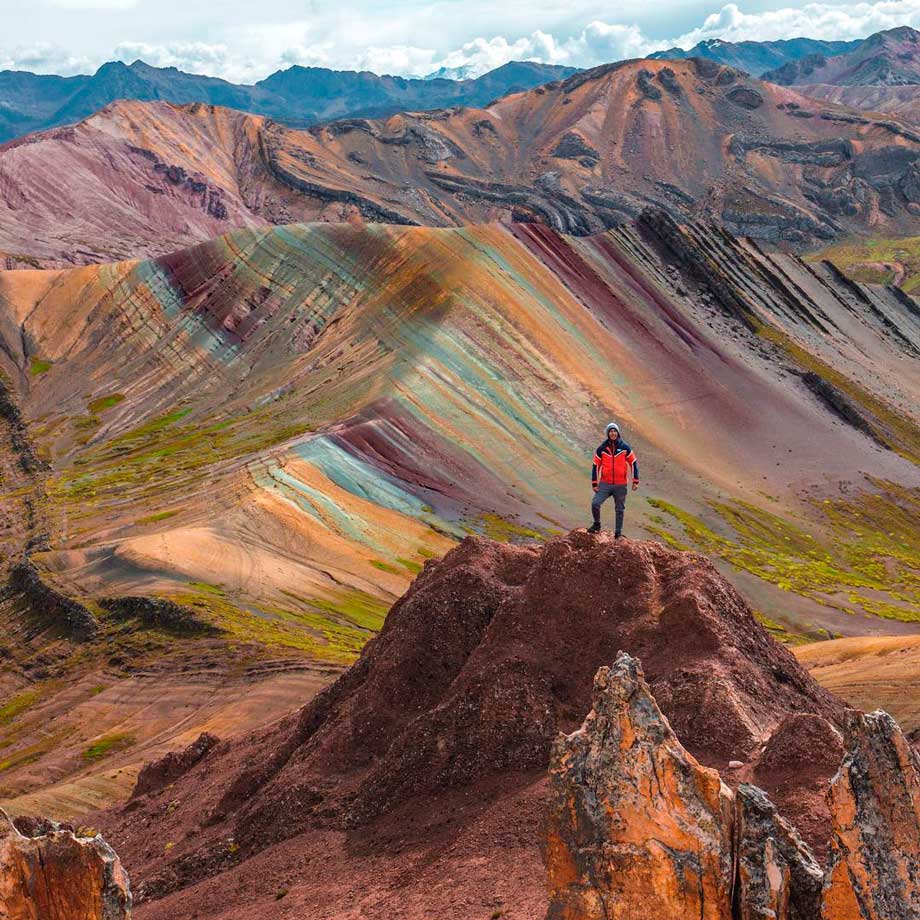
(612, 425)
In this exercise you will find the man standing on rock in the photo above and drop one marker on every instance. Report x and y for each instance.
(614, 465)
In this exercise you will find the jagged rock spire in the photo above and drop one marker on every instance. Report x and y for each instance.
(874, 867)
(635, 819)
(638, 828)
(59, 876)
(776, 875)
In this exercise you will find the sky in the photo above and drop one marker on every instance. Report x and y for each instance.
(245, 42)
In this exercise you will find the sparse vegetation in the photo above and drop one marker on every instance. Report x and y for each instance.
(39, 366)
(106, 745)
(498, 528)
(386, 567)
(857, 547)
(105, 402)
(156, 518)
(18, 705)
(877, 261)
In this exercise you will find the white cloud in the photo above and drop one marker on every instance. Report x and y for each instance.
(92, 4)
(43, 57)
(353, 38)
(814, 20)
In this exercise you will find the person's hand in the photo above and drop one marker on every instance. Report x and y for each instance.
(594, 487)
(635, 486)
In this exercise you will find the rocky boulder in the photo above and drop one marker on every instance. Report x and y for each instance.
(874, 867)
(634, 819)
(633, 815)
(59, 876)
(159, 773)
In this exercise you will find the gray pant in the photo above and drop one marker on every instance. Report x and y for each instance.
(604, 491)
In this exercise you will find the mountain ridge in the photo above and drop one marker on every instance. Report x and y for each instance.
(300, 95)
(756, 57)
(889, 58)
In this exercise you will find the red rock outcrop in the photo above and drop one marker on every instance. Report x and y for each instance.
(58, 876)
(467, 679)
(635, 820)
(874, 868)
(171, 766)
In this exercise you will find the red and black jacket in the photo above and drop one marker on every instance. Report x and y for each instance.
(611, 464)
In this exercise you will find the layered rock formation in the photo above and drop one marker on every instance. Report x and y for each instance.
(56, 875)
(579, 155)
(268, 434)
(634, 820)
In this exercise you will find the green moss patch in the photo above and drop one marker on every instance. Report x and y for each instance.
(498, 528)
(386, 567)
(106, 745)
(331, 629)
(156, 518)
(39, 366)
(410, 564)
(207, 588)
(780, 632)
(873, 261)
(162, 454)
(18, 705)
(105, 402)
(859, 553)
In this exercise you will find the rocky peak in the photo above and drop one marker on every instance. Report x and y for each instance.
(490, 654)
(467, 678)
(56, 875)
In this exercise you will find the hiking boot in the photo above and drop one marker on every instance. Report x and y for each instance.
(594, 528)
(617, 536)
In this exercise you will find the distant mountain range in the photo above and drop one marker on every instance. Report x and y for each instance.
(580, 155)
(303, 96)
(758, 57)
(890, 58)
(299, 95)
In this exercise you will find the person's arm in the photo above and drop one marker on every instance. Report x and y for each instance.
(595, 467)
(634, 463)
